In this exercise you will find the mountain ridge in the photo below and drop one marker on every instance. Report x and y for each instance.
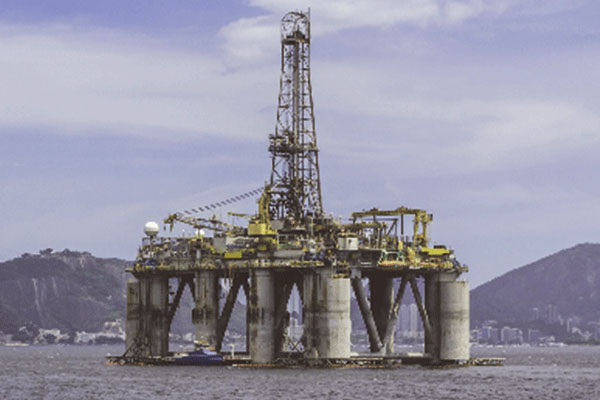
(568, 279)
(68, 290)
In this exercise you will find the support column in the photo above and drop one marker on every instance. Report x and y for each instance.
(205, 314)
(432, 305)
(132, 324)
(381, 289)
(454, 321)
(154, 292)
(283, 289)
(261, 317)
(246, 288)
(326, 310)
(447, 304)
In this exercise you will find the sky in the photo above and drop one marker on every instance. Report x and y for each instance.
(485, 113)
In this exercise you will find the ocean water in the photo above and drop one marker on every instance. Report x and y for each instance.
(80, 372)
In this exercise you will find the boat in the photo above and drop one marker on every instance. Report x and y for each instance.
(198, 357)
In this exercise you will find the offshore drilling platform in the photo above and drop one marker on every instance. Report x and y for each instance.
(291, 242)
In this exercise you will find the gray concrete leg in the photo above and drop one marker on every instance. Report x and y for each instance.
(261, 317)
(432, 305)
(381, 289)
(154, 292)
(246, 288)
(447, 304)
(283, 289)
(326, 310)
(454, 321)
(132, 324)
(205, 314)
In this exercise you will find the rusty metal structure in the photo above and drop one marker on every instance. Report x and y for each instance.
(289, 242)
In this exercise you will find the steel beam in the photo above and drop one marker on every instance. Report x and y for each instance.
(226, 312)
(367, 315)
(176, 299)
(393, 318)
(381, 288)
(421, 307)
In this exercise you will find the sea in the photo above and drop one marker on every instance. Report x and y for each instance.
(80, 372)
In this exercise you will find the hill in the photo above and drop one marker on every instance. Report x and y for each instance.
(67, 290)
(75, 291)
(567, 282)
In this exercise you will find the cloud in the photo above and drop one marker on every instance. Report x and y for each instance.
(79, 80)
(343, 14)
(520, 131)
(250, 40)
(335, 15)
(382, 13)
(528, 213)
(452, 120)
(510, 195)
(76, 81)
(60, 214)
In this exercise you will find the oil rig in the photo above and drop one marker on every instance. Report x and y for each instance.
(291, 242)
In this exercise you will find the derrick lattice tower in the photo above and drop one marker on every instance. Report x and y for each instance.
(295, 182)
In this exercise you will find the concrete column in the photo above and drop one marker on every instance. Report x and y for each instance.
(326, 312)
(205, 314)
(283, 289)
(432, 305)
(447, 304)
(246, 288)
(261, 317)
(132, 324)
(454, 321)
(381, 289)
(155, 299)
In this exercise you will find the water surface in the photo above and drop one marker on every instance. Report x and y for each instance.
(79, 372)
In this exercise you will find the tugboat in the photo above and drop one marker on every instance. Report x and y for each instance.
(200, 356)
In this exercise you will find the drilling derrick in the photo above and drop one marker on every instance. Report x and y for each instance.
(295, 183)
